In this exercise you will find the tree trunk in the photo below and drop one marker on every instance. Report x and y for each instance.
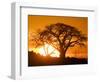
(62, 56)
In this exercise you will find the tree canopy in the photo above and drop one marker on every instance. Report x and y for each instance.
(60, 36)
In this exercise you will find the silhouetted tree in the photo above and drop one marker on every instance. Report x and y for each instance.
(61, 37)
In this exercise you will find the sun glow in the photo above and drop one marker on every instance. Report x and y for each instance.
(47, 50)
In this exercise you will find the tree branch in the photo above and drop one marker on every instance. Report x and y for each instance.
(55, 36)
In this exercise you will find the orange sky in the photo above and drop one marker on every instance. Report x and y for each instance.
(39, 22)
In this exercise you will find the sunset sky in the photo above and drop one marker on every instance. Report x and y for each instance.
(36, 23)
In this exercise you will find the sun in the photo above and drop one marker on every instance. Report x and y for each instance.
(47, 50)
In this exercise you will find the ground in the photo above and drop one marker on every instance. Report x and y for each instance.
(38, 60)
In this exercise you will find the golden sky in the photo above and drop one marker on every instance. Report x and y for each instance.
(39, 22)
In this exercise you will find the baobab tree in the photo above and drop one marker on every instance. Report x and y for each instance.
(61, 37)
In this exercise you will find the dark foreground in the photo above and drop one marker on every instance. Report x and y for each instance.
(38, 60)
